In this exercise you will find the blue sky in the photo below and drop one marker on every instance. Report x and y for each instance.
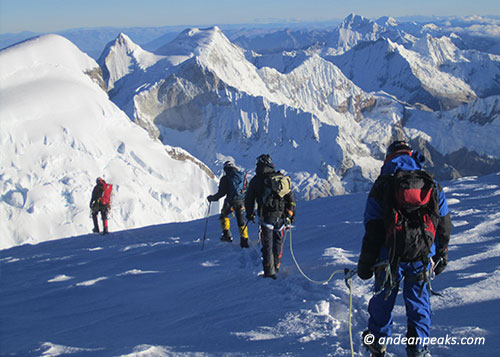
(56, 15)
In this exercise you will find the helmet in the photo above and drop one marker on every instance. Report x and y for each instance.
(99, 180)
(228, 166)
(265, 160)
(398, 147)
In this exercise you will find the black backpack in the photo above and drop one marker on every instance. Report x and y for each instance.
(411, 215)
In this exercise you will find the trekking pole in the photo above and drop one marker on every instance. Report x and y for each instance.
(206, 225)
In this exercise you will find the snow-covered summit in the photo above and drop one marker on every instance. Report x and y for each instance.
(387, 21)
(196, 42)
(193, 41)
(351, 31)
(59, 131)
(437, 50)
(211, 49)
(34, 51)
(359, 23)
(121, 56)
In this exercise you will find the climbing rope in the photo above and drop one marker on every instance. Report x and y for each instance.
(350, 316)
(302, 272)
(348, 273)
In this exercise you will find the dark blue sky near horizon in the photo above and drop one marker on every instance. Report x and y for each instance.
(57, 15)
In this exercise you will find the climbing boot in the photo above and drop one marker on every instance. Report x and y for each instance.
(375, 348)
(226, 236)
(413, 351)
(244, 243)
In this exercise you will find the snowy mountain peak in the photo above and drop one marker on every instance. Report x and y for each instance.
(199, 34)
(45, 49)
(125, 40)
(358, 23)
(438, 50)
(121, 57)
(387, 21)
(123, 45)
(212, 50)
(193, 41)
(350, 32)
(200, 37)
(430, 27)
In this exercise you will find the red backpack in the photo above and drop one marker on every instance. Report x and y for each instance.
(412, 214)
(106, 194)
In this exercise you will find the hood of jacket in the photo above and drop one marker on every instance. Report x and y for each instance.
(401, 162)
(264, 169)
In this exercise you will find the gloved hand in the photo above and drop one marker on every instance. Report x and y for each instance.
(290, 216)
(210, 198)
(250, 217)
(440, 262)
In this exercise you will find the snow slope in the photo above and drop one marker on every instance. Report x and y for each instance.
(153, 291)
(59, 131)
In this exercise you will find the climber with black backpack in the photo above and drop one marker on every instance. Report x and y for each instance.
(407, 230)
(101, 202)
(275, 208)
(233, 185)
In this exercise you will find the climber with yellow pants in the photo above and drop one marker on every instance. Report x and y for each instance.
(232, 185)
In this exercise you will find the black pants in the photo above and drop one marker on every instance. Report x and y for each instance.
(272, 236)
(104, 215)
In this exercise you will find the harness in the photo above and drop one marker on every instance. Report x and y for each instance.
(389, 283)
